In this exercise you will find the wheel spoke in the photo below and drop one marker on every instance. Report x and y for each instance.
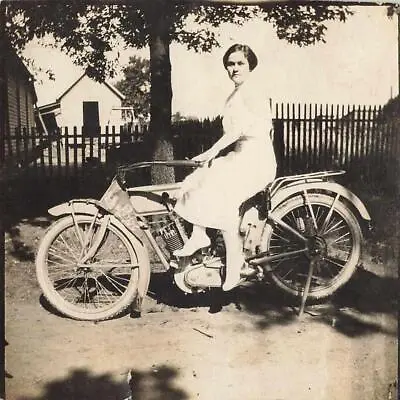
(319, 215)
(87, 239)
(340, 239)
(329, 215)
(113, 282)
(68, 283)
(113, 265)
(289, 228)
(336, 226)
(62, 266)
(103, 293)
(277, 237)
(61, 246)
(287, 273)
(71, 250)
(55, 254)
(309, 206)
(335, 262)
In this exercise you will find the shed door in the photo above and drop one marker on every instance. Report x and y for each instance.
(91, 121)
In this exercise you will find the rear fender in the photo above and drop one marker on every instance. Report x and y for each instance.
(91, 207)
(332, 187)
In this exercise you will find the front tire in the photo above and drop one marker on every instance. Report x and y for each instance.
(334, 231)
(97, 289)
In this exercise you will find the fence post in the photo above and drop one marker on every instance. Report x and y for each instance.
(341, 154)
(325, 136)
(350, 136)
(58, 144)
(83, 150)
(113, 136)
(279, 143)
(331, 147)
(99, 146)
(50, 154)
(367, 153)
(75, 140)
(66, 148)
(107, 133)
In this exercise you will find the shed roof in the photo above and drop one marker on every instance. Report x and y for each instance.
(108, 85)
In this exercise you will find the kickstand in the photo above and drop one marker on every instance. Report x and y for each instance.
(307, 287)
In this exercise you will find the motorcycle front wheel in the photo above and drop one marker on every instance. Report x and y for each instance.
(99, 288)
(334, 240)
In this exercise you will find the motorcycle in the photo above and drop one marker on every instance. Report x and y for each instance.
(304, 233)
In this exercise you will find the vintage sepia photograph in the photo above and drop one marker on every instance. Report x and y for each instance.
(200, 199)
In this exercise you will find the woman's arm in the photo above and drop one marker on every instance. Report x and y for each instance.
(219, 145)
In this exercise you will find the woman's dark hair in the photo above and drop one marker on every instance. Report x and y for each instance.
(246, 50)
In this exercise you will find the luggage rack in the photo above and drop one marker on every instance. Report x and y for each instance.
(307, 178)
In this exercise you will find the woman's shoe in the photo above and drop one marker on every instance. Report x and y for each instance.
(230, 283)
(232, 279)
(191, 246)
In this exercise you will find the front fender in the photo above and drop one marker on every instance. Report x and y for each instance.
(334, 187)
(91, 207)
(79, 206)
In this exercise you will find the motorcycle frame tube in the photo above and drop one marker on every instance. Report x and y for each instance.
(156, 248)
(263, 257)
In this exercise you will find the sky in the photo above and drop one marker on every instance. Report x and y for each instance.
(358, 64)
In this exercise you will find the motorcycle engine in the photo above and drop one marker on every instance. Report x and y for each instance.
(198, 277)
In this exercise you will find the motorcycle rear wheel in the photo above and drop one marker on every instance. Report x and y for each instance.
(336, 232)
(98, 289)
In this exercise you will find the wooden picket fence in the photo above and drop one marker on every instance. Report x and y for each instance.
(362, 140)
(313, 137)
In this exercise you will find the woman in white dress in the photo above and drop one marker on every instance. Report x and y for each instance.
(212, 194)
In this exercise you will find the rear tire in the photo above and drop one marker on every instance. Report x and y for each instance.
(98, 289)
(339, 236)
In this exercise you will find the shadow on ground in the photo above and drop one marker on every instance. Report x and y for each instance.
(155, 384)
(349, 311)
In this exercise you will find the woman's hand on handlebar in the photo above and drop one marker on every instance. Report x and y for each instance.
(205, 158)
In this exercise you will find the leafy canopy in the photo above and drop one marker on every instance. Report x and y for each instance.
(90, 33)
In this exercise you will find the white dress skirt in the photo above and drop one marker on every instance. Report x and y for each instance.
(211, 195)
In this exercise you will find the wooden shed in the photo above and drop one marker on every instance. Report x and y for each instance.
(18, 99)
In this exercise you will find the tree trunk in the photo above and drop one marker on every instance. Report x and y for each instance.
(159, 15)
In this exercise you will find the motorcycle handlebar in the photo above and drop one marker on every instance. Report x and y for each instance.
(171, 163)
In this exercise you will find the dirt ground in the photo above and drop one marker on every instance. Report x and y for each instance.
(254, 348)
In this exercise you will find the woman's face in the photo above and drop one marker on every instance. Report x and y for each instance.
(238, 67)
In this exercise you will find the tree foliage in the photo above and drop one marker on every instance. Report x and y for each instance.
(89, 32)
(303, 24)
(136, 87)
